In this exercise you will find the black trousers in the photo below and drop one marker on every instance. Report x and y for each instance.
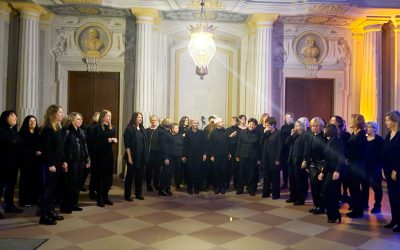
(153, 169)
(271, 177)
(247, 174)
(194, 166)
(301, 184)
(316, 187)
(51, 182)
(394, 196)
(104, 178)
(166, 175)
(292, 182)
(7, 186)
(30, 183)
(207, 173)
(285, 172)
(375, 181)
(72, 185)
(134, 171)
(178, 170)
(331, 195)
(220, 171)
(356, 176)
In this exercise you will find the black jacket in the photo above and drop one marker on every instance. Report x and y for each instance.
(53, 147)
(357, 152)
(334, 155)
(10, 150)
(248, 145)
(177, 150)
(374, 156)
(194, 144)
(284, 134)
(166, 143)
(315, 150)
(233, 140)
(75, 146)
(152, 139)
(218, 143)
(271, 150)
(138, 148)
(298, 148)
(30, 145)
(102, 148)
(391, 154)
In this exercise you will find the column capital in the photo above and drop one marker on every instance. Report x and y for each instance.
(262, 20)
(396, 23)
(47, 19)
(368, 24)
(4, 7)
(146, 15)
(30, 9)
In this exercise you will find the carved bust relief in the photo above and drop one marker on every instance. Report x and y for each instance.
(93, 40)
(310, 47)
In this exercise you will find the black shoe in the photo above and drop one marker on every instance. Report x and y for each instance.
(196, 191)
(1, 216)
(396, 229)
(239, 192)
(376, 210)
(298, 203)
(252, 193)
(13, 209)
(162, 193)
(128, 198)
(150, 188)
(222, 190)
(265, 195)
(92, 196)
(276, 197)
(47, 221)
(319, 210)
(139, 197)
(169, 193)
(178, 187)
(77, 208)
(217, 191)
(190, 192)
(100, 204)
(290, 200)
(284, 186)
(390, 225)
(353, 214)
(108, 202)
(56, 217)
(83, 188)
(311, 210)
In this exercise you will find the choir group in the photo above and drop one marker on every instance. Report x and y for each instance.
(53, 161)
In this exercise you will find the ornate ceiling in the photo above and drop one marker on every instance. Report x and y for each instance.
(331, 12)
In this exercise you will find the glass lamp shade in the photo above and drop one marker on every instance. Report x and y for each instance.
(201, 49)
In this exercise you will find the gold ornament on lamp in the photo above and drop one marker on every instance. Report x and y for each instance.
(201, 46)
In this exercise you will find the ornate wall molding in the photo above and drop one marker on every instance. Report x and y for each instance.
(213, 16)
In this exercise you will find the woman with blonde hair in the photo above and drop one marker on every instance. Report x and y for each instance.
(77, 157)
(103, 138)
(53, 162)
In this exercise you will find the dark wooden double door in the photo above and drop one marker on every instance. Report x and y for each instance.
(89, 92)
(310, 97)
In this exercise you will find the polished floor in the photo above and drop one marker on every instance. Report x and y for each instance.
(205, 221)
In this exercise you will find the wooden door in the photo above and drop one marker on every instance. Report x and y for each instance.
(310, 97)
(89, 92)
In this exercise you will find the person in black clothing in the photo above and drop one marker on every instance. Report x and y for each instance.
(284, 134)
(232, 167)
(391, 167)
(356, 163)
(136, 154)
(92, 169)
(344, 137)
(331, 172)
(374, 166)
(297, 169)
(166, 143)
(153, 168)
(104, 138)
(10, 153)
(219, 155)
(248, 156)
(53, 163)
(315, 163)
(77, 158)
(207, 169)
(271, 154)
(177, 155)
(194, 154)
(30, 180)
